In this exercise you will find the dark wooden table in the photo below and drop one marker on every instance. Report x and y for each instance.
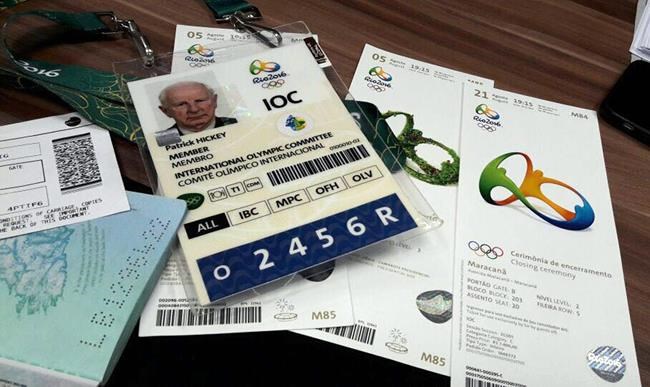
(569, 51)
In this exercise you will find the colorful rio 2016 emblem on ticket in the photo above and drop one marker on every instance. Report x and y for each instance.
(494, 176)
(485, 110)
(200, 49)
(257, 66)
(379, 72)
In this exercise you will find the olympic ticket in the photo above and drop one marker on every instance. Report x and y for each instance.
(540, 295)
(278, 180)
(197, 46)
(407, 318)
(304, 302)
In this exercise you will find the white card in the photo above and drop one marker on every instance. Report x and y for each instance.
(540, 292)
(402, 292)
(309, 304)
(56, 171)
(197, 44)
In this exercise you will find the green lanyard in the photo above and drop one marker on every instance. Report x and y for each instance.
(222, 9)
(94, 94)
(4, 4)
(241, 14)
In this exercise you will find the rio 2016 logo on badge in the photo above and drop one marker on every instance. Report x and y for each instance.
(294, 124)
(494, 175)
(379, 79)
(274, 78)
(491, 121)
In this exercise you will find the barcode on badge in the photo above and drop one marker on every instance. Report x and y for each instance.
(76, 163)
(317, 165)
(354, 332)
(471, 382)
(208, 316)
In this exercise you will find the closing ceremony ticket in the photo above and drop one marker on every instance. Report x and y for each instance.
(540, 296)
(279, 179)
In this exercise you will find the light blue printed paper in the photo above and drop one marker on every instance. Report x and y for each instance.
(70, 296)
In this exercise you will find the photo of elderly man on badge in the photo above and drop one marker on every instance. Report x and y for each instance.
(192, 106)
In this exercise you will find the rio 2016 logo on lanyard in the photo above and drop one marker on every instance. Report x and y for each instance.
(495, 176)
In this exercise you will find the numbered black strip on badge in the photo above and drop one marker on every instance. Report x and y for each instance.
(256, 263)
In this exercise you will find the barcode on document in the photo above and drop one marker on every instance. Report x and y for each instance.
(76, 163)
(317, 165)
(354, 332)
(208, 316)
(471, 382)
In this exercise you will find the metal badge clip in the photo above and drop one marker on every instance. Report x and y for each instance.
(241, 21)
(121, 26)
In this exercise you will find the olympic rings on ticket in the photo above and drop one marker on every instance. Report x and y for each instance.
(487, 127)
(376, 88)
(483, 249)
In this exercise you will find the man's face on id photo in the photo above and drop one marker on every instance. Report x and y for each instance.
(191, 105)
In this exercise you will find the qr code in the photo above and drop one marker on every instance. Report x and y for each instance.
(76, 163)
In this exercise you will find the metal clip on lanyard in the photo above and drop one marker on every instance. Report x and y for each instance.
(240, 14)
(120, 26)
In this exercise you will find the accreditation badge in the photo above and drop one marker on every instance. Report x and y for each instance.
(276, 173)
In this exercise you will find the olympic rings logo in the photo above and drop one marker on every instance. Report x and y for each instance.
(273, 84)
(201, 50)
(494, 175)
(483, 249)
(199, 64)
(380, 73)
(376, 88)
(487, 127)
(483, 109)
(257, 66)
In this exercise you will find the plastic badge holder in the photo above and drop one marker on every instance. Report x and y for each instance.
(164, 64)
(424, 216)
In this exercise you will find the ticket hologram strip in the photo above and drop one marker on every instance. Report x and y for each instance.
(375, 221)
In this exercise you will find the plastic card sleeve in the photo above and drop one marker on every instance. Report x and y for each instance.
(282, 171)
